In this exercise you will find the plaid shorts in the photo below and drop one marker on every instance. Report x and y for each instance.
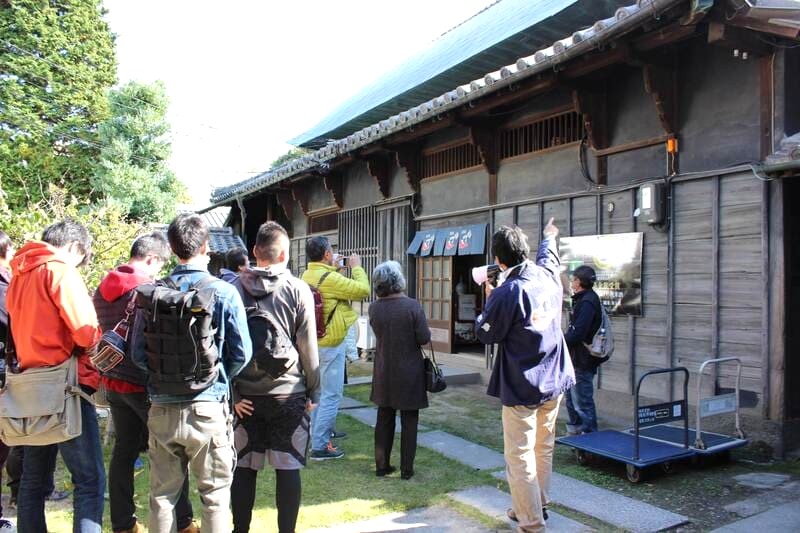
(277, 433)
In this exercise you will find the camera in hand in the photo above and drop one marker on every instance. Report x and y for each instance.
(486, 273)
(342, 262)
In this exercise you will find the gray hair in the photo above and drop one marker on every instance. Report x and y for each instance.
(387, 279)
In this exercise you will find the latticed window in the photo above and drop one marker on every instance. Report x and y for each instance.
(540, 135)
(452, 159)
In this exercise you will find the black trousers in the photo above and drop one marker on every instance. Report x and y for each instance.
(14, 469)
(129, 413)
(384, 438)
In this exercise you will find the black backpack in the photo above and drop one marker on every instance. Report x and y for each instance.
(273, 350)
(180, 336)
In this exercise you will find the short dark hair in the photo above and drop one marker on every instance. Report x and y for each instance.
(62, 234)
(510, 245)
(5, 244)
(585, 275)
(316, 248)
(235, 258)
(268, 241)
(154, 243)
(187, 234)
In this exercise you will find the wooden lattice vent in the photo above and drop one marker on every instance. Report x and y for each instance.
(448, 160)
(320, 223)
(543, 134)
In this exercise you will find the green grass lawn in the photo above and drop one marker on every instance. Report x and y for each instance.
(334, 491)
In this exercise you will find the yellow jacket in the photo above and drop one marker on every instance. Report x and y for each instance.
(337, 289)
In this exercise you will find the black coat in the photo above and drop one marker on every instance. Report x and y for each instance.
(584, 321)
(398, 375)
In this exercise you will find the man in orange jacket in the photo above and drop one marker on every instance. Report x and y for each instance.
(52, 319)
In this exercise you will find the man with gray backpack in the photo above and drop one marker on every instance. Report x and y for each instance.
(275, 393)
(190, 337)
(590, 344)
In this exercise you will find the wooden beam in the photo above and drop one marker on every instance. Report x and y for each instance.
(409, 157)
(285, 201)
(660, 84)
(591, 105)
(380, 166)
(486, 139)
(737, 38)
(300, 195)
(760, 26)
(667, 35)
(633, 145)
(334, 184)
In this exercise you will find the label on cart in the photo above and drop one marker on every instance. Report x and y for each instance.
(661, 413)
(717, 405)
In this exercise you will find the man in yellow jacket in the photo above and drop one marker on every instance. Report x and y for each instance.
(337, 292)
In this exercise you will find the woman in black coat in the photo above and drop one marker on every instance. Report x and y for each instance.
(398, 375)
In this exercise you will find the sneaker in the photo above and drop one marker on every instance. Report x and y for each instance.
(7, 527)
(12, 503)
(338, 434)
(137, 528)
(191, 528)
(57, 496)
(330, 452)
(138, 464)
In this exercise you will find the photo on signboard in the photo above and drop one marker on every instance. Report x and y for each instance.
(617, 261)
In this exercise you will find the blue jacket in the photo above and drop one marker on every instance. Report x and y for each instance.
(233, 339)
(523, 316)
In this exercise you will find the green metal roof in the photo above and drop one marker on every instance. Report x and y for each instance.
(498, 35)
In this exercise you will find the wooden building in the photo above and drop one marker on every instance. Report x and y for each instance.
(697, 98)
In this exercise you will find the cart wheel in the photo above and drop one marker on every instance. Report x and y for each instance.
(634, 473)
(667, 467)
(725, 456)
(582, 457)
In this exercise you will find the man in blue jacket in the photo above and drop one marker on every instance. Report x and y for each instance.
(532, 368)
(193, 429)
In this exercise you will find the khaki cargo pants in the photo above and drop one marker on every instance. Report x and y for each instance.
(528, 440)
(198, 436)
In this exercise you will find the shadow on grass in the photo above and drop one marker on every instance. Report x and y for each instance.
(334, 491)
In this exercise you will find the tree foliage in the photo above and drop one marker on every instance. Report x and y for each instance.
(293, 153)
(56, 63)
(133, 172)
(112, 234)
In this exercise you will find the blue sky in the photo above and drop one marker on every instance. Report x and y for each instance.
(246, 75)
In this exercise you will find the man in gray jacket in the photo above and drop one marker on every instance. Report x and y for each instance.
(276, 392)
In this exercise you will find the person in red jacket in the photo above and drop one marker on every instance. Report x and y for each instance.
(52, 319)
(125, 385)
(6, 253)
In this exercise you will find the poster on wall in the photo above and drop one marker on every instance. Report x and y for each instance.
(617, 260)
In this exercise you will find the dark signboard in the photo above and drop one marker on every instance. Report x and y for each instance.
(651, 415)
(617, 260)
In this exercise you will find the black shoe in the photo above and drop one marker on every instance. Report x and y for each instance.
(381, 472)
(406, 474)
(513, 516)
(338, 434)
(57, 495)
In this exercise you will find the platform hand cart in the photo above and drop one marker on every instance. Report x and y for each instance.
(634, 448)
(653, 440)
(707, 443)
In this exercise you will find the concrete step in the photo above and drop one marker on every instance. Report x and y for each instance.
(369, 416)
(615, 509)
(784, 517)
(436, 519)
(468, 453)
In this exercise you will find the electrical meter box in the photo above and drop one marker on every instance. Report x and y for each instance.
(653, 202)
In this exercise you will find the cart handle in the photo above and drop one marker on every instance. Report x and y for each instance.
(684, 415)
(698, 441)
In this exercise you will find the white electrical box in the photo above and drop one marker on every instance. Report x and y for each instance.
(653, 202)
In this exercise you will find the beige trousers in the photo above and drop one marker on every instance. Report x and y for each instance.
(528, 440)
(198, 436)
